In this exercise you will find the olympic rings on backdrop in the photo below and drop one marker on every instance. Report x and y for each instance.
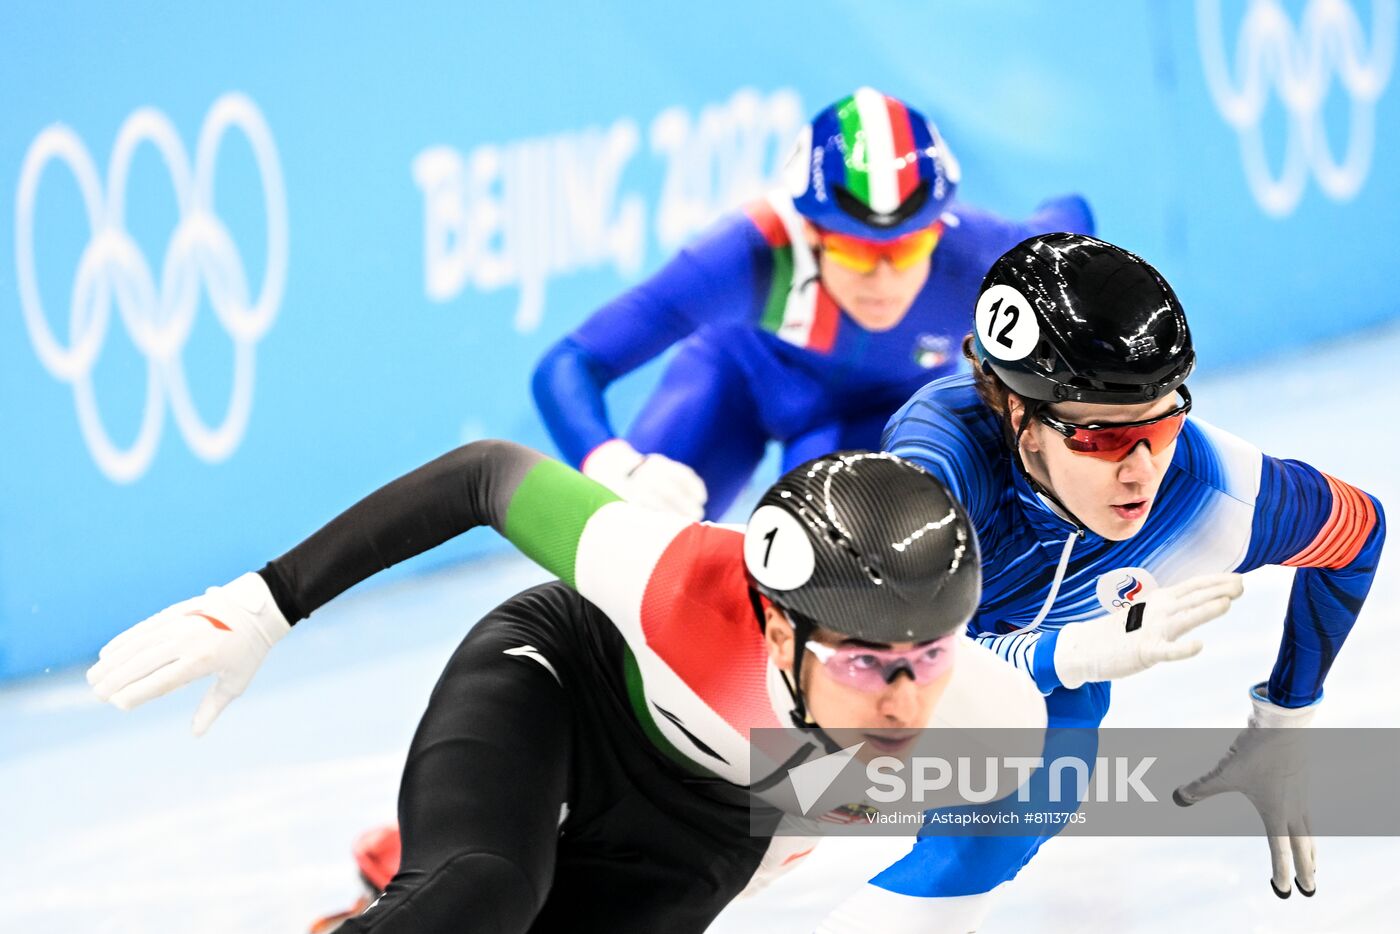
(157, 315)
(1299, 66)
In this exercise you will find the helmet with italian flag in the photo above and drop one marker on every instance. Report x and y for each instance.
(870, 166)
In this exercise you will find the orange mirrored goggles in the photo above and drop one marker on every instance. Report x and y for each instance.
(859, 255)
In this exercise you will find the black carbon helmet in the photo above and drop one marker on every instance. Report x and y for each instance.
(1067, 318)
(868, 545)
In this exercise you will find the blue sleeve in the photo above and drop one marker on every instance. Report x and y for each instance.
(934, 432)
(1333, 533)
(980, 237)
(717, 279)
(1033, 652)
(568, 386)
(1066, 213)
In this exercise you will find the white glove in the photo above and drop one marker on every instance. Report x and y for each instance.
(1268, 765)
(1125, 643)
(226, 632)
(649, 480)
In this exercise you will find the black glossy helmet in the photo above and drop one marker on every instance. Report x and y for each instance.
(1067, 318)
(866, 544)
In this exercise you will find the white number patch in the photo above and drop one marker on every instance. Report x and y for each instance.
(777, 551)
(1006, 323)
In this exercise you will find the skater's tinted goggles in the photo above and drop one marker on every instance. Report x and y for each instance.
(859, 255)
(870, 669)
(1114, 441)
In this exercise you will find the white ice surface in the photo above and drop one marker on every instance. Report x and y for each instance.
(114, 822)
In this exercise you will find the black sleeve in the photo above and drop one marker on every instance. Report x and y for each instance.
(465, 488)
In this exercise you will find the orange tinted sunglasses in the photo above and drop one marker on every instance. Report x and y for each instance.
(862, 256)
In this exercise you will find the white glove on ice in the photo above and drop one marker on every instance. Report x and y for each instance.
(649, 480)
(1125, 643)
(1268, 765)
(226, 632)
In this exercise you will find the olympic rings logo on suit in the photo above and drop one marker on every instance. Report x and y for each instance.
(1300, 66)
(157, 314)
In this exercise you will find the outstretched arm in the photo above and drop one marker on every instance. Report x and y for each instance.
(1333, 533)
(535, 502)
(539, 504)
(710, 281)
(1154, 630)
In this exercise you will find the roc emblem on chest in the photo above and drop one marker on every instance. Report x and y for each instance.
(1120, 589)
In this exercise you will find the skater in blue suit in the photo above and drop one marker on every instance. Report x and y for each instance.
(1094, 495)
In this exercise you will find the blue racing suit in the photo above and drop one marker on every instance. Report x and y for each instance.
(765, 353)
(1223, 505)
